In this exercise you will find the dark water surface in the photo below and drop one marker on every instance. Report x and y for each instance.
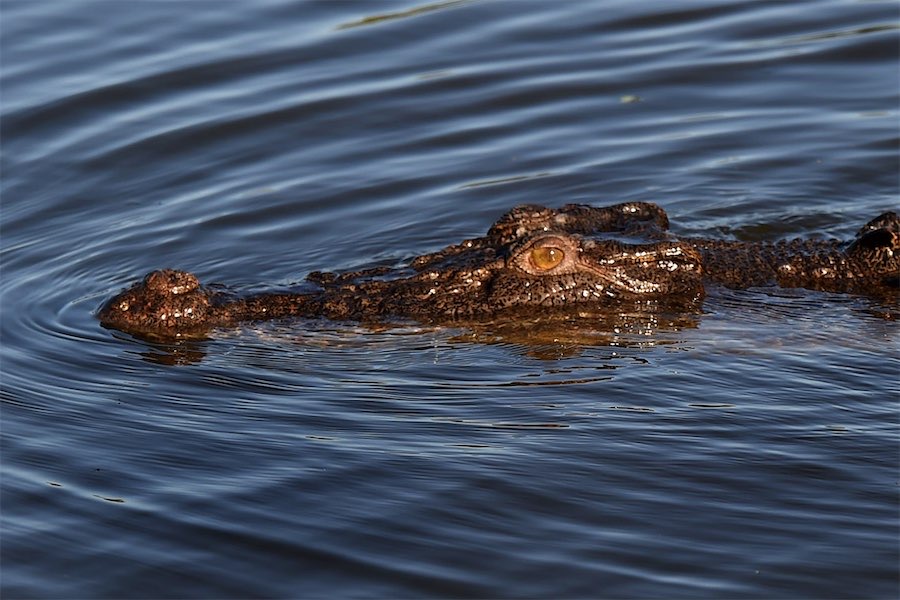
(750, 451)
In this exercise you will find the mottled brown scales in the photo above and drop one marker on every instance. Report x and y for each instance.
(532, 259)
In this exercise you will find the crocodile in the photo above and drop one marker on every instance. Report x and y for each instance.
(533, 260)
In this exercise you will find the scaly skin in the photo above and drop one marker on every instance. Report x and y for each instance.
(532, 259)
(869, 265)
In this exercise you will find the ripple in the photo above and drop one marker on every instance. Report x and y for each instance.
(405, 14)
(741, 451)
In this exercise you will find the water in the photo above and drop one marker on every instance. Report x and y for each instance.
(748, 451)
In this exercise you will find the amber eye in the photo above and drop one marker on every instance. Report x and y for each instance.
(547, 257)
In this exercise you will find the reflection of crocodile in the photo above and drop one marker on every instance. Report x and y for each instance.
(531, 260)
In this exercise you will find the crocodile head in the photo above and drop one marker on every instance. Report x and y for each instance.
(549, 270)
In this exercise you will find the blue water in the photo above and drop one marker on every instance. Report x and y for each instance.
(749, 451)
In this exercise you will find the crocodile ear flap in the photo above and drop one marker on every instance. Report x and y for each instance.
(878, 245)
(872, 240)
(880, 234)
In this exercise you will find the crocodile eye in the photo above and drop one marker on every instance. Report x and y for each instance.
(547, 257)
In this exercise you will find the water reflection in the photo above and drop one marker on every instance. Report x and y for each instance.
(169, 352)
(546, 337)
(566, 335)
(183, 352)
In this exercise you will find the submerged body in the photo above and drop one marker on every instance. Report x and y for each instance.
(532, 259)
